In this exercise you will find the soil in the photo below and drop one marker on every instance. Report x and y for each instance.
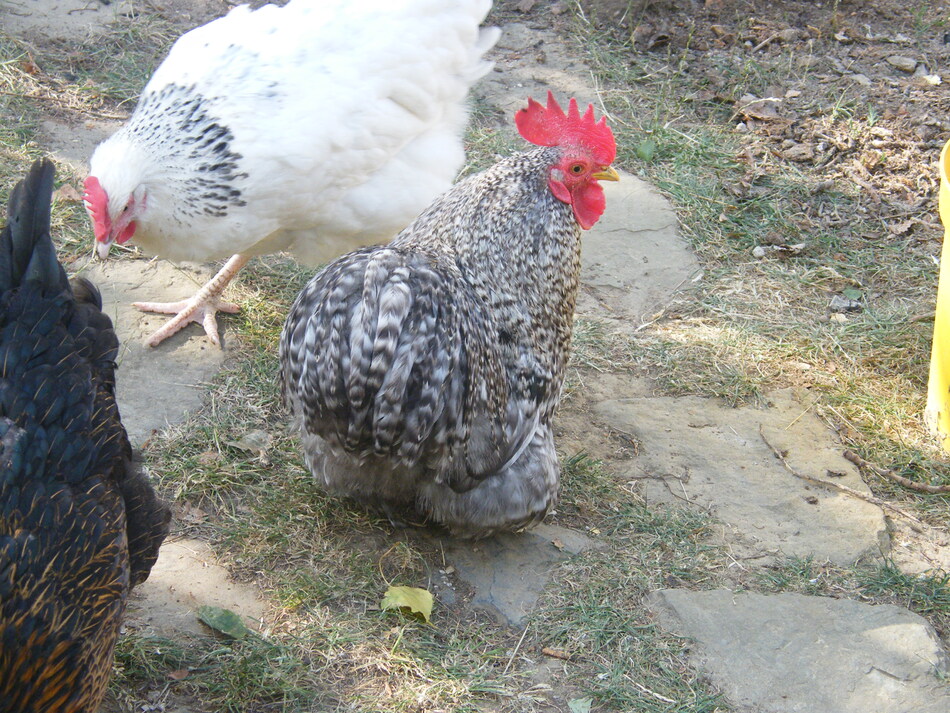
(883, 58)
(851, 45)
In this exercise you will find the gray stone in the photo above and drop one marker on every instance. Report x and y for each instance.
(60, 19)
(633, 259)
(790, 653)
(509, 571)
(161, 385)
(73, 142)
(80, 19)
(905, 64)
(186, 577)
(529, 62)
(698, 451)
(517, 37)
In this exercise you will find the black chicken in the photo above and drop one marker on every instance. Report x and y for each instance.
(79, 523)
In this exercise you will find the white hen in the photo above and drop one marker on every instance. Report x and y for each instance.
(316, 127)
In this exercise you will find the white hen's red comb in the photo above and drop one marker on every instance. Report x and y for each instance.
(97, 205)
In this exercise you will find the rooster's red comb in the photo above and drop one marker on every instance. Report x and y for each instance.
(550, 126)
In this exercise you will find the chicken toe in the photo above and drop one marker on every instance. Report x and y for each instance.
(186, 312)
(202, 307)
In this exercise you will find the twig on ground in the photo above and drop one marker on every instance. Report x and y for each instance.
(891, 475)
(651, 692)
(765, 43)
(555, 654)
(515, 652)
(916, 524)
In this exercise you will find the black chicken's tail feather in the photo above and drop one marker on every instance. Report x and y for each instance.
(26, 249)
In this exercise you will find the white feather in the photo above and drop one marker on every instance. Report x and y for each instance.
(347, 116)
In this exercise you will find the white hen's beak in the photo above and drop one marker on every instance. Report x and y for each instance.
(102, 248)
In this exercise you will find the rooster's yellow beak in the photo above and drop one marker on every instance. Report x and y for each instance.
(606, 174)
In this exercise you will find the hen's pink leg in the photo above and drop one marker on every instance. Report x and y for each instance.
(201, 308)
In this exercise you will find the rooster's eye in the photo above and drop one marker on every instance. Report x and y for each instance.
(577, 168)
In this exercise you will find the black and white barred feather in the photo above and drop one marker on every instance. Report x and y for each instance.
(426, 373)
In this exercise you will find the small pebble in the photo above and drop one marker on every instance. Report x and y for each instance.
(905, 64)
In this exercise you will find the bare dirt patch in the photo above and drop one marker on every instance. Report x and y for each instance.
(814, 93)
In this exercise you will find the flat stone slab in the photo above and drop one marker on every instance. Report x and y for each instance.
(790, 653)
(186, 577)
(510, 570)
(698, 451)
(528, 62)
(60, 19)
(161, 385)
(72, 141)
(633, 260)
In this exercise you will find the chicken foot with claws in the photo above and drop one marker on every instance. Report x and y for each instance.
(203, 307)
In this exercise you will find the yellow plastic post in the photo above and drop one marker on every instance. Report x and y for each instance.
(937, 414)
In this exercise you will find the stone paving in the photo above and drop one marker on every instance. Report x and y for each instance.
(779, 653)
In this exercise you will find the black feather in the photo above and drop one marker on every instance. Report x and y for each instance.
(79, 522)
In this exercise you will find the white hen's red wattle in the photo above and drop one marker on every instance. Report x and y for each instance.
(315, 127)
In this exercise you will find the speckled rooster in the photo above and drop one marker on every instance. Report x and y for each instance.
(79, 522)
(426, 373)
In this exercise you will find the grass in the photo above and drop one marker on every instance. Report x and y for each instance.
(597, 615)
(748, 327)
(752, 323)
(926, 593)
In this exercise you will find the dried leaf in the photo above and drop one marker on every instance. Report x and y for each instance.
(179, 675)
(755, 108)
(29, 66)
(844, 304)
(418, 601)
(901, 228)
(799, 152)
(580, 705)
(557, 543)
(209, 458)
(761, 251)
(257, 442)
(190, 513)
(224, 621)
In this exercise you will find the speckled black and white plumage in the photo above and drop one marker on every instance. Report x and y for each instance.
(314, 127)
(79, 523)
(426, 373)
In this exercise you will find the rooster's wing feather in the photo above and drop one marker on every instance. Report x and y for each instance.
(390, 353)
